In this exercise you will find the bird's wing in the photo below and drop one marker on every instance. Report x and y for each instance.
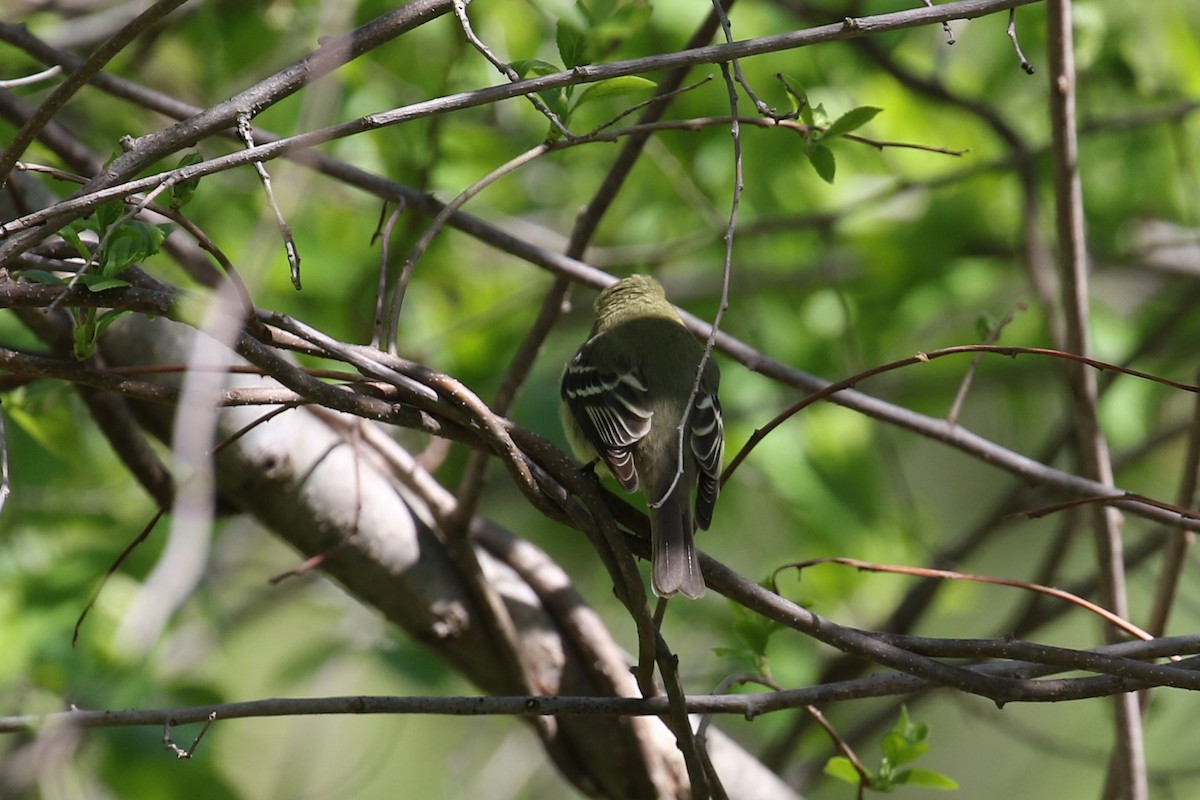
(708, 444)
(612, 406)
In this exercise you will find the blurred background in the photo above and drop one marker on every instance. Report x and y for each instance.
(906, 250)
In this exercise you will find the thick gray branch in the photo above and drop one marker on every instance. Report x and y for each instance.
(297, 475)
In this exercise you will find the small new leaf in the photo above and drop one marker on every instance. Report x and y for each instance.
(821, 157)
(40, 276)
(852, 120)
(108, 318)
(912, 731)
(84, 340)
(596, 11)
(535, 67)
(131, 243)
(572, 44)
(840, 767)
(623, 23)
(797, 94)
(108, 213)
(735, 652)
(985, 323)
(554, 100)
(98, 283)
(927, 778)
(179, 194)
(752, 629)
(614, 87)
(897, 749)
(806, 115)
(903, 743)
(819, 117)
(71, 235)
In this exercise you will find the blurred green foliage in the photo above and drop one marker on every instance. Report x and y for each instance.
(903, 252)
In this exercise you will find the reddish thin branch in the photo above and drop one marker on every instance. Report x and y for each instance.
(946, 574)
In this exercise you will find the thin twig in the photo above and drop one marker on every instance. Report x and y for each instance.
(460, 11)
(658, 98)
(285, 230)
(366, 360)
(1127, 774)
(945, 24)
(384, 337)
(162, 510)
(112, 569)
(5, 486)
(746, 705)
(1179, 541)
(143, 203)
(723, 687)
(1106, 499)
(111, 230)
(730, 229)
(22, 237)
(843, 385)
(760, 105)
(169, 741)
(965, 386)
(439, 220)
(29, 80)
(557, 298)
(1012, 34)
(945, 574)
(77, 79)
(842, 746)
(332, 53)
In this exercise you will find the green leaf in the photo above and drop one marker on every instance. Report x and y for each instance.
(752, 629)
(85, 341)
(753, 634)
(821, 157)
(736, 652)
(121, 251)
(927, 778)
(840, 767)
(623, 23)
(615, 87)
(182, 192)
(535, 67)
(595, 11)
(71, 234)
(797, 94)
(572, 44)
(98, 283)
(820, 117)
(852, 120)
(806, 115)
(48, 423)
(893, 746)
(898, 749)
(985, 323)
(108, 213)
(109, 317)
(133, 242)
(911, 731)
(41, 276)
(554, 100)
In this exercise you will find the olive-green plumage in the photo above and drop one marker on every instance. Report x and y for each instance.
(625, 395)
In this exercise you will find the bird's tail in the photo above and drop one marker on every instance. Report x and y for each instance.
(675, 567)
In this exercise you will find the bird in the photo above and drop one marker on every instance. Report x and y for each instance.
(625, 396)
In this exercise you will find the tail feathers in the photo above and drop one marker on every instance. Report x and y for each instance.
(675, 567)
